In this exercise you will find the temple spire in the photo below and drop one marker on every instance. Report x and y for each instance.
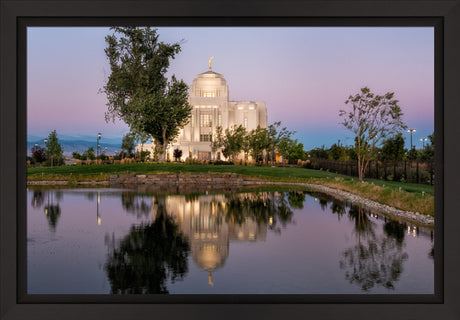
(210, 60)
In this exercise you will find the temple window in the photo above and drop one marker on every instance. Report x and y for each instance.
(205, 137)
(208, 94)
(205, 120)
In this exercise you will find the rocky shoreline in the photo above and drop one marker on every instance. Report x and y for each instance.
(355, 199)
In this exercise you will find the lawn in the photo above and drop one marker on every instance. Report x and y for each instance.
(103, 172)
(405, 196)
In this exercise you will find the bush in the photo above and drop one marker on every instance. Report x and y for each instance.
(222, 163)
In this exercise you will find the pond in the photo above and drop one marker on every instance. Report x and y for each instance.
(255, 241)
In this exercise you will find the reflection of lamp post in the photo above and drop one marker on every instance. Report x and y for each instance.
(99, 220)
(46, 207)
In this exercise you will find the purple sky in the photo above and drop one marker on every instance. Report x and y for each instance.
(303, 74)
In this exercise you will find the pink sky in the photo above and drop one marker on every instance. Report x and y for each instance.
(303, 74)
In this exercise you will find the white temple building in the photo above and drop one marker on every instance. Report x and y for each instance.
(209, 97)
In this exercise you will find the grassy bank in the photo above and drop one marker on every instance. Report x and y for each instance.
(405, 196)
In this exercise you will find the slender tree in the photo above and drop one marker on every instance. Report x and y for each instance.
(88, 154)
(257, 142)
(232, 141)
(277, 136)
(137, 89)
(371, 118)
(127, 143)
(53, 148)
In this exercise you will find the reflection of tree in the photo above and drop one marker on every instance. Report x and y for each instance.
(90, 196)
(148, 256)
(431, 253)
(38, 199)
(323, 203)
(52, 212)
(268, 208)
(338, 207)
(363, 226)
(373, 261)
(135, 204)
(58, 194)
(296, 199)
(395, 229)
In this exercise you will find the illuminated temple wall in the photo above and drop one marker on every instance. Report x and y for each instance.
(209, 97)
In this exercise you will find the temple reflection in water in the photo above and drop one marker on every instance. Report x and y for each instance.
(164, 242)
(204, 221)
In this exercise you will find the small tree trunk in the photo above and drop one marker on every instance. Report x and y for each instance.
(162, 156)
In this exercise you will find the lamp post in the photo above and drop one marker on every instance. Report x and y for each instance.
(99, 135)
(423, 142)
(411, 131)
(46, 141)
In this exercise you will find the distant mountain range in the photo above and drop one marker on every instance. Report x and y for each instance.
(77, 144)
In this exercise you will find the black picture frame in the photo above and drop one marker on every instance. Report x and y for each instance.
(17, 14)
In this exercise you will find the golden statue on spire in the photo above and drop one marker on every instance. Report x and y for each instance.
(210, 60)
(210, 278)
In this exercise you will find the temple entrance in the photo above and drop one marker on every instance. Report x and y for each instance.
(203, 156)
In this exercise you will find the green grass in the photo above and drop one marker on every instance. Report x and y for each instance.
(411, 197)
(286, 174)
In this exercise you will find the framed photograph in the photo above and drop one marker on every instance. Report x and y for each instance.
(322, 217)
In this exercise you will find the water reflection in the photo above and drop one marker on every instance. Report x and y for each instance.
(148, 256)
(135, 204)
(52, 209)
(171, 235)
(374, 260)
(207, 223)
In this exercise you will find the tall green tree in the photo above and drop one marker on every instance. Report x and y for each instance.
(371, 118)
(138, 90)
(88, 154)
(53, 148)
(257, 142)
(277, 135)
(337, 151)
(127, 143)
(393, 148)
(292, 150)
(427, 154)
(232, 140)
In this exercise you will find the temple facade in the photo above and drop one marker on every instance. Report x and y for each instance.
(209, 97)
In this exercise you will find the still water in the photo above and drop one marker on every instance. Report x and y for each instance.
(117, 241)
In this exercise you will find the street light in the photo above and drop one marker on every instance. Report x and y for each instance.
(46, 141)
(411, 131)
(99, 135)
(423, 142)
